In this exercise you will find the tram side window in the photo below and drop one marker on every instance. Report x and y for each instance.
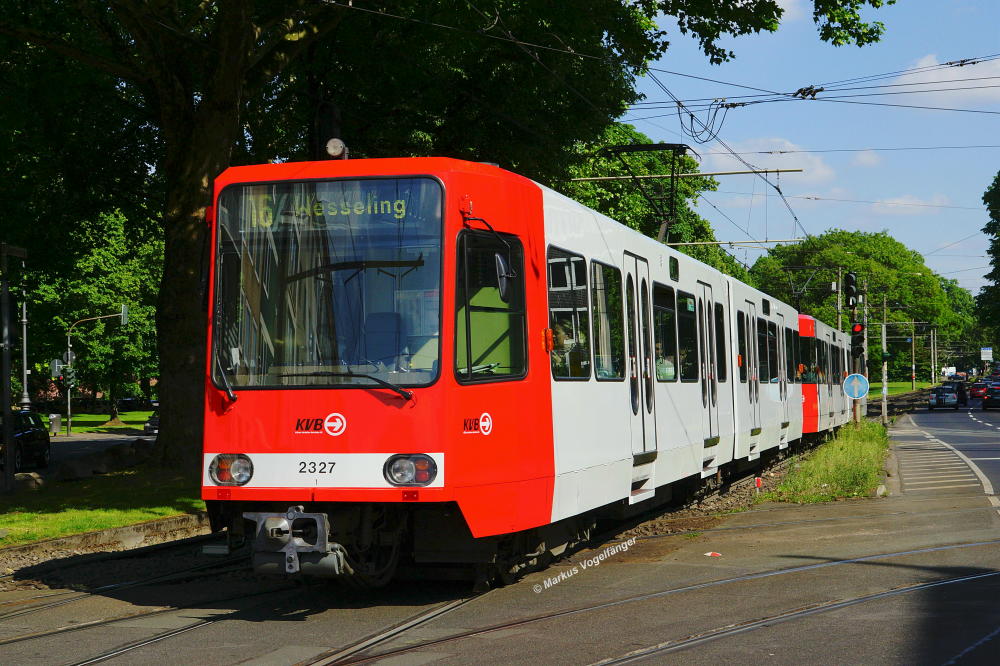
(609, 324)
(822, 362)
(721, 350)
(763, 369)
(569, 316)
(741, 335)
(807, 357)
(792, 371)
(489, 330)
(772, 352)
(687, 337)
(665, 332)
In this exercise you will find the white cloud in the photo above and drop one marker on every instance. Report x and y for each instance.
(815, 170)
(910, 205)
(947, 77)
(794, 10)
(867, 158)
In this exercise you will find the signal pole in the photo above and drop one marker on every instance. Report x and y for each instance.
(913, 357)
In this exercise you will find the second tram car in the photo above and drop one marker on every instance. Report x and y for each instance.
(824, 363)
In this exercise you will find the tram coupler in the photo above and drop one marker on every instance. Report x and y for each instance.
(296, 542)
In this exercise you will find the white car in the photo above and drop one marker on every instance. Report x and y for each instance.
(942, 398)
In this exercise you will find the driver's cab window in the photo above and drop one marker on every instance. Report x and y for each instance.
(489, 308)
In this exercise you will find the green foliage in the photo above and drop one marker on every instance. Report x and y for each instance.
(988, 300)
(112, 267)
(886, 269)
(849, 466)
(644, 207)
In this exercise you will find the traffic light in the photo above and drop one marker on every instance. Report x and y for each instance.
(857, 340)
(851, 289)
(69, 376)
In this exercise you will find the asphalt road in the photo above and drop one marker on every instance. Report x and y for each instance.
(78, 445)
(968, 432)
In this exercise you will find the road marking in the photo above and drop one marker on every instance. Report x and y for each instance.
(948, 479)
(984, 458)
(987, 486)
(955, 474)
(963, 485)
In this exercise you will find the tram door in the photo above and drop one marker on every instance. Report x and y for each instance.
(781, 341)
(638, 333)
(753, 366)
(709, 366)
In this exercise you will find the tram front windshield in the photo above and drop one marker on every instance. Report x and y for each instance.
(328, 283)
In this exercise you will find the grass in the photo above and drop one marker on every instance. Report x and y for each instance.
(97, 503)
(131, 421)
(895, 387)
(848, 466)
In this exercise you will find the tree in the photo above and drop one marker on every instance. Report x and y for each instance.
(885, 268)
(112, 270)
(988, 299)
(644, 205)
(208, 76)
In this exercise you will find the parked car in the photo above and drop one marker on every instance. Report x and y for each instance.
(942, 396)
(31, 441)
(960, 391)
(978, 390)
(992, 398)
(152, 426)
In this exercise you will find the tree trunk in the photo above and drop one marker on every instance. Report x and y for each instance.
(199, 136)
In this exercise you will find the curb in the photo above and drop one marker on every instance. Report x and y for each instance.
(128, 537)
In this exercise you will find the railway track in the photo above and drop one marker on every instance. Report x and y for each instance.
(668, 647)
(363, 656)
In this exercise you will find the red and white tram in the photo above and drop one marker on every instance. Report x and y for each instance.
(440, 361)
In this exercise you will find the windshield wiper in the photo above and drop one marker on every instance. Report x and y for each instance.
(225, 380)
(360, 265)
(329, 373)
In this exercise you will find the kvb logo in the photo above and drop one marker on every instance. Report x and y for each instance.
(483, 425)
(334, 425)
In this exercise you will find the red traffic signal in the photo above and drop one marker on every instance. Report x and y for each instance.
(857, 339)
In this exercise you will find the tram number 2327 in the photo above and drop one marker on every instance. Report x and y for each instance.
(313, 467)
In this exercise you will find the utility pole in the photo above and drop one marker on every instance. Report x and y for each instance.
(864, 320)
(933, 356)
(913, 357)
(885, 365)
(840, 290)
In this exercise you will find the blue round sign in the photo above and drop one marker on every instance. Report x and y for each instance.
(856, 386)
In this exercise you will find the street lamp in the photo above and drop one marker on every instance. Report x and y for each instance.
(70, 358)
(25, 398)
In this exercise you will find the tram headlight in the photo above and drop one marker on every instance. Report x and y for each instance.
(410, 470)
(231, 469)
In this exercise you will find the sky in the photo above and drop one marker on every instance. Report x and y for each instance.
(930, 200)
